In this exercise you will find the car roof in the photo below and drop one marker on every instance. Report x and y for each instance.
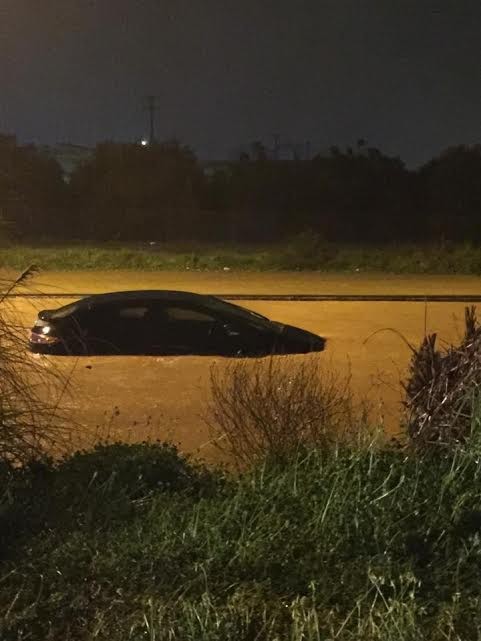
(145, 294)
(163, 295)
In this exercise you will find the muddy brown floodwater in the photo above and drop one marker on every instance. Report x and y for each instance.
(136, 398)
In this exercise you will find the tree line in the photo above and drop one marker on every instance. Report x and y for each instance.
(129, 192)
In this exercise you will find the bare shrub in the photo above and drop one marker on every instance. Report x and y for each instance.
(31, 425)
(271, 407)
(442, 387)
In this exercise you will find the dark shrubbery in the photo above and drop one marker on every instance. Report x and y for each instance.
(452, 192)
(129, 192)
(92, 489)
(307, 250)
(161, 192)
(443, 389)
(359, 543)
(33, 195)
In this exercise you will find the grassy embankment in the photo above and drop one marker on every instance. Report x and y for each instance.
(303, 253)
(133, 542)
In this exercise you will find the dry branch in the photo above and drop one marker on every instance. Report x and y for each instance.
(31, 425)
(442, 387)
(272, 407)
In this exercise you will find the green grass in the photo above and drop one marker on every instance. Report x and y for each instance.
(300, 254)
(134, 542)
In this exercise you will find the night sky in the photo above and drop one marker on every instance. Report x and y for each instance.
(403, 74)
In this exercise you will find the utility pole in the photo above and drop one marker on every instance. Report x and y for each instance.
(151, 106)
(276, 146)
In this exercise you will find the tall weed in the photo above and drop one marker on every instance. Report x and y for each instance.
(30, 391)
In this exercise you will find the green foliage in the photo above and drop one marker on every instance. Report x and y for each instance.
(355, 543)
(92, 489)
(396, 259)
(307, 250)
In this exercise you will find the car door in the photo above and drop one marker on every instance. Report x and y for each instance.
(180, 328)
(133, 327)
(116, 328)
(188, 329)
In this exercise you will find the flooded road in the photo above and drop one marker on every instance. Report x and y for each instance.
(136, 398)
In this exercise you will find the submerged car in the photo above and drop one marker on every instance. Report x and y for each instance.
(160, 322)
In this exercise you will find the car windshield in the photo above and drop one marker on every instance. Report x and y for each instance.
(241, 313)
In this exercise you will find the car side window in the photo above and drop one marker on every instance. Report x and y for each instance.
(133, 312)
(112, 317)
(188, 314)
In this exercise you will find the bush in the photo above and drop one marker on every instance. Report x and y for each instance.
(273, 407)
(443, 388)
(307, 250)
(93, 488)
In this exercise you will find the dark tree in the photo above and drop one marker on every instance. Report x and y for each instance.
(32, 190)
(451, 185)
(131, 192)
